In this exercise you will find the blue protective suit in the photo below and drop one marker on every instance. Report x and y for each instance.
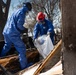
(12, 31)
(43, 29)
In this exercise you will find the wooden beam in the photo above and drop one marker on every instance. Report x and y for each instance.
(49, 57)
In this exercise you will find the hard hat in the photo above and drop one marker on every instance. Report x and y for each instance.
(28, 5)
(40, 16)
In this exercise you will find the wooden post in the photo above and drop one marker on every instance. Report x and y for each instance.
(69, 36)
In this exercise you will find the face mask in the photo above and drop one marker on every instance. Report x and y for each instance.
(27, 13)
(42, 22)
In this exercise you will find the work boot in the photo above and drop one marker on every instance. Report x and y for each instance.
(28, 65)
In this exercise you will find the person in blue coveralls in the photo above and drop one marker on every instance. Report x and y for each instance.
(12, 33)
(43, 27)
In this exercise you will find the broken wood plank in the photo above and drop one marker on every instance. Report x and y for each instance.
(11, 63)
(6, 59)
(55, 70)
(34, 67)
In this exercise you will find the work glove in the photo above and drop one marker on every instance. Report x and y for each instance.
(36, 41)
(49, 33)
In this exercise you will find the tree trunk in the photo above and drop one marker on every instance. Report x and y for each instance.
(69, 36)
(3, 15)
(1, 18)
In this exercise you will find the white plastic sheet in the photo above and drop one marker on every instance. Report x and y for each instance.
(44, 45)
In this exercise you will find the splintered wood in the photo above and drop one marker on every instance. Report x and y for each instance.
(56, 70)
(11, 63)
(31, 71)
